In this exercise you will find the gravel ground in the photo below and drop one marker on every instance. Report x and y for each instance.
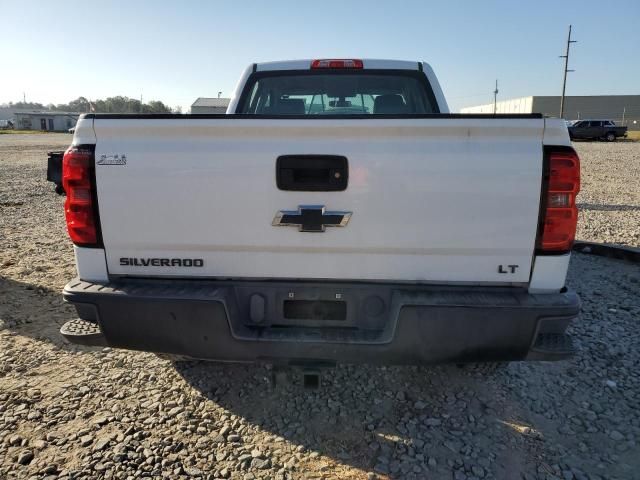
(71, 412)
(609, 202)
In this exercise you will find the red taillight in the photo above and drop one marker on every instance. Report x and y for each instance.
(79, 207)
(336, 63)
(560, 216)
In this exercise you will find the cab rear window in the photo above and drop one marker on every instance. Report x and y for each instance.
(365, 92)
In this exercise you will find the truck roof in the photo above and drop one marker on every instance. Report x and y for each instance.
(368, 63)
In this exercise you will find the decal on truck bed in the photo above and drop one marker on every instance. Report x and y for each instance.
(161, 262)
(112, 159)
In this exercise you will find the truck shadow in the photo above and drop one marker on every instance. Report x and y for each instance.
(395, 421)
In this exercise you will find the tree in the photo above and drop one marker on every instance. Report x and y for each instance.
(156, 107)
(80, 104)
(117, 104)
(26, 105)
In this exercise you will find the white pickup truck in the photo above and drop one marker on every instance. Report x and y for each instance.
(337, 213)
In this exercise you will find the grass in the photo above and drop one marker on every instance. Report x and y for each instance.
(21, 132)
(634, 135)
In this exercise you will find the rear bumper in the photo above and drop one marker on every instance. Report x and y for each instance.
(244, 321)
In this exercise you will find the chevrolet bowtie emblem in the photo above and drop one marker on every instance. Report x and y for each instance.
(311, 218)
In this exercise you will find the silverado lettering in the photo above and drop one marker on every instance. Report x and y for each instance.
(161, 262)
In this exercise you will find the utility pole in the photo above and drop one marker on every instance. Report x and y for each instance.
(24, 97)
(219, 94)
(624, 112)
(495, 98)
(566, 70)
(140, 102)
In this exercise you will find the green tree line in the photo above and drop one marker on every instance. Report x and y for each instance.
(118, 104)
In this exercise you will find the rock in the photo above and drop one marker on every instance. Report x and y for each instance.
(25, 457)
(100, 444)
(459, 475)
(260, 464)
(33, 415)
(101, 420)
(616, 435)
(220, 456)
(255, 453)
(175, 411)
(86, 440)
(478, 471)
(39, 444)
(51, 469)
(382, 468)
(611, 384)
(419, 405)
(453, 446)
(192, 471)
(433, 422)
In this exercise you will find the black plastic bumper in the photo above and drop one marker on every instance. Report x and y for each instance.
(247, 321)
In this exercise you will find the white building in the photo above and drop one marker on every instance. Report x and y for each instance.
(210, 105)
(623, 109)
(45, 120)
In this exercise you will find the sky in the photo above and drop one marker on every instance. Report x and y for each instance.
(176, 51)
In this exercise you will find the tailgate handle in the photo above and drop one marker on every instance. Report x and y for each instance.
(312, 173)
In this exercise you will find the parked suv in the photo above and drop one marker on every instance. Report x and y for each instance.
(596, 130)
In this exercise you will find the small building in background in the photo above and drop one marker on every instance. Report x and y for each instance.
(7, 113)
(622, 109)
(45, 120)
(210, 105)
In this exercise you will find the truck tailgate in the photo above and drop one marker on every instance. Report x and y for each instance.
(445, 199)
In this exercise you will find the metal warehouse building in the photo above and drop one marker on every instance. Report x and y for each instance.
(210, 105)
(45, 120)
(623, 109)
